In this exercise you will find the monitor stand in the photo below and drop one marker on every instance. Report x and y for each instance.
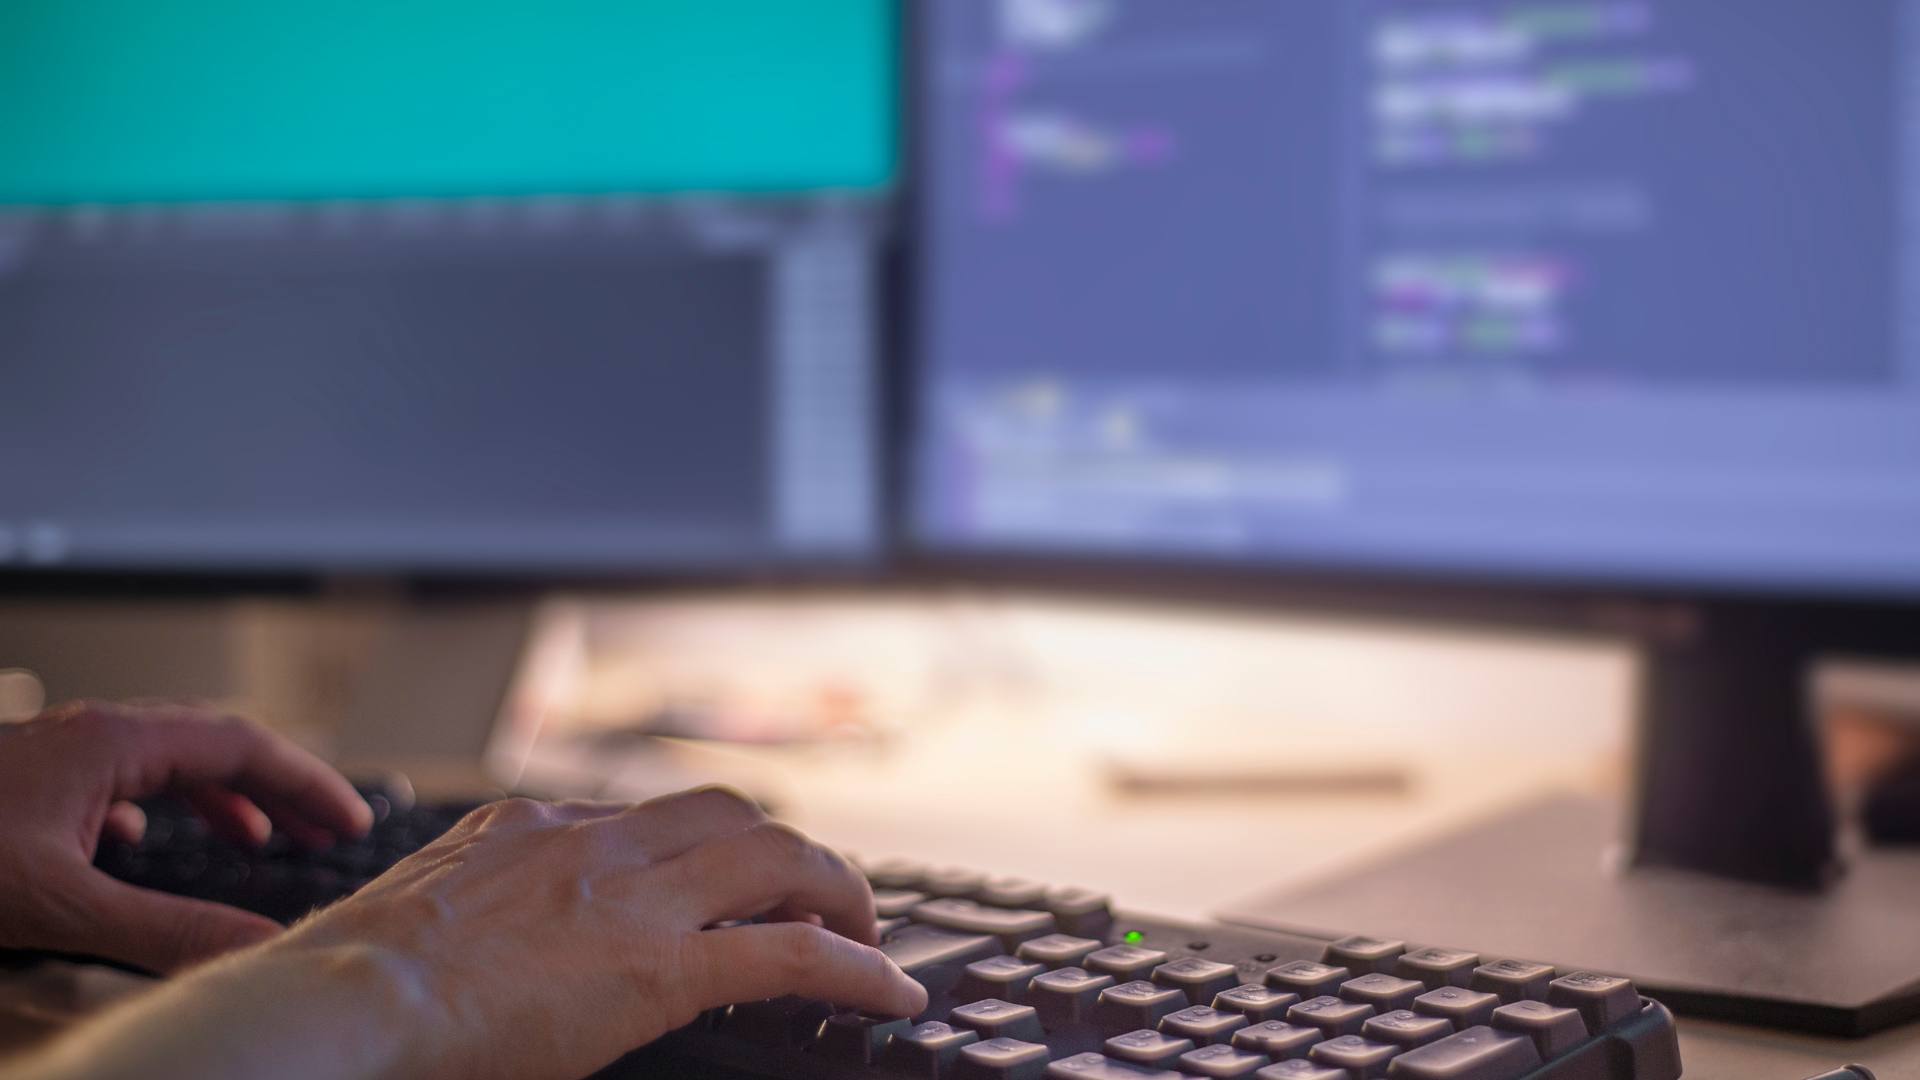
(1723, 895)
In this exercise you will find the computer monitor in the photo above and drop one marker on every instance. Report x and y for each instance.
(1609, 299)
(1609, 291)
(579, 289)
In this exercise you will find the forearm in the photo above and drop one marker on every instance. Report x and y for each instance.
(299, 1013)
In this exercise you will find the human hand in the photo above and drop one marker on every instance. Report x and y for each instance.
(66, 776)
(546, 940)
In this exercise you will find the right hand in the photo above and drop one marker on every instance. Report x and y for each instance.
(546, 940)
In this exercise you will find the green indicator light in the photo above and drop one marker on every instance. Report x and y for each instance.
(1135, 937)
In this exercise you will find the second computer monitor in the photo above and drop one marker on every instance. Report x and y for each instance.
(1610, 291)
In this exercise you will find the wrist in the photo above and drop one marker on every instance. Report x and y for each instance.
(309, 1012)
(366, 1005)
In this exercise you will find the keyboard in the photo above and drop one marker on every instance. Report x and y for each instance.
(281, 881)
(1030, 981)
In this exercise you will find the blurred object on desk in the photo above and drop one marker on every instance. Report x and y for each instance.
(1123, 680)
(22, 695)
(1871, 714)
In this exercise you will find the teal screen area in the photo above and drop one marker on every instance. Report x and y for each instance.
(113, 101)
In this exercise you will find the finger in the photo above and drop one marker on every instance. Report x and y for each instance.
(771, 866)
(229, 815)
(789, 913)
(289, 820)
(748, 963)
(125, 822)
(182, 746)
(156, 931)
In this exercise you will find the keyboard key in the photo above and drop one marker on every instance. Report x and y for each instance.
(1211, 1061)
(886, 928)
(1199, 979)
(1461, 1008)
(1134, 1005)
(1308, 979)
(1012, 892)
(1384, 992)
(779, 1022)
(1364, 955)
(1102, 1067)
(1148, 1047)
(856, 1038)
(1333, 1016)
(918, 948)
(967, 916)
(896, 874)
(1082, 912)
(1203, 1024)
(1057, 950)
(1125, 961)
(1277, 1039)
(1066, 997)
(1300, 1069)
(927, 1051)
(1256, 1002)
(1406, 1029)
(1435, 968)
(996, 1019)
(1361, 1057)
(895, 903)
(1602, 1000)
(1512, 980)
(1478, 1053)
(1554, 1030)
(952, 882)
(1001, 1059)
(1000, 977)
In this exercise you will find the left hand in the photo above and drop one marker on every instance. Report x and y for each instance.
(67, 775)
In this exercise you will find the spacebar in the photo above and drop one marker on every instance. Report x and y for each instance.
(919, 947)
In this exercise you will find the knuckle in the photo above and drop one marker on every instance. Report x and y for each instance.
(516, 812)
(804, 949)
(781, 841)
(726, 796)
(521, 811)
(719, 802)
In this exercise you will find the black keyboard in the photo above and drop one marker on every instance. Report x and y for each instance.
(1033, 982)
(281, 881)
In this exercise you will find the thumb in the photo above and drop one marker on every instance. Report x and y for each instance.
(163, 933)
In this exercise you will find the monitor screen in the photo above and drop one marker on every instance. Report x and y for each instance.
(583, 286)
(1611, 291)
